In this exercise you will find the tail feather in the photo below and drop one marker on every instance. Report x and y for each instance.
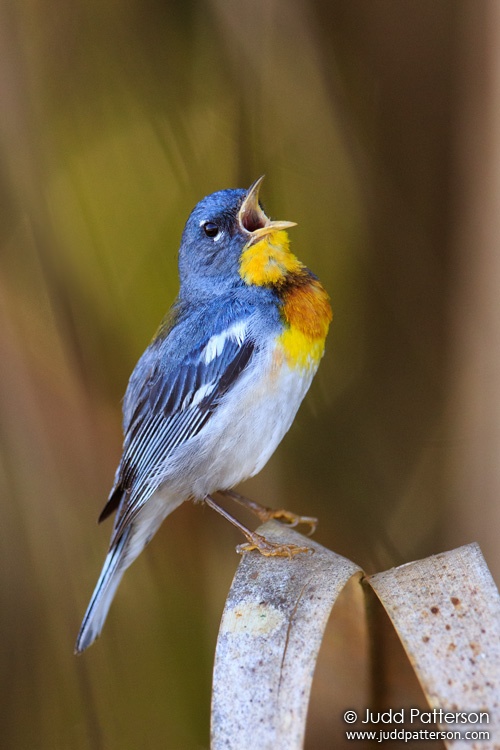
(113, 569)
(122, 554)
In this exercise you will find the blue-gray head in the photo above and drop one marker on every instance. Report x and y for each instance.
(219, 228)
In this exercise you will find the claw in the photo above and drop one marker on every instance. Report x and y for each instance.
(257, 541)
(271, 549)
(291, 519)
(266, 514)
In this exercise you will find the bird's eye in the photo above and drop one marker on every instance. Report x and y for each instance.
(211, 229)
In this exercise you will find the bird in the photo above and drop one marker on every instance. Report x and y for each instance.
(214, 393)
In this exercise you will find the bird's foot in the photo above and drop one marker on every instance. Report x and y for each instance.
(265, 514)
(270, 549)
(289, 518)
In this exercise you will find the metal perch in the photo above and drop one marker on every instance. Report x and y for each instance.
(446, 610)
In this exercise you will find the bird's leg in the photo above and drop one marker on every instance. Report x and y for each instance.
(265, 513)
(256, 541)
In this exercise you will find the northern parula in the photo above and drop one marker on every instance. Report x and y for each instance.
(220, 384)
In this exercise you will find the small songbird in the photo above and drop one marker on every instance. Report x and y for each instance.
(219, 386)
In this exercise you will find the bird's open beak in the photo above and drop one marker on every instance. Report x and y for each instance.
(252, 219)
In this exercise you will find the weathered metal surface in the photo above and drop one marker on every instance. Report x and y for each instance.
(269, 639)
(446, 611)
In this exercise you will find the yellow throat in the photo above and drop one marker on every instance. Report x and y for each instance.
(304, 304)
(269, 260)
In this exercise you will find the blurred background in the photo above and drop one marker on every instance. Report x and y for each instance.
(377, 124)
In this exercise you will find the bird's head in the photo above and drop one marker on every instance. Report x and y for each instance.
(227, 240)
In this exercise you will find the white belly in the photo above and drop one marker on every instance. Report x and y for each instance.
(242, 435)
(245, 448)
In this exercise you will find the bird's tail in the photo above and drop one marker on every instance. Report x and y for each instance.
(113, 569)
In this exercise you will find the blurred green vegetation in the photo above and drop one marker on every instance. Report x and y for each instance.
(116, 119)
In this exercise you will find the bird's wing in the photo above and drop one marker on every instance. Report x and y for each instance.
(167, 409)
